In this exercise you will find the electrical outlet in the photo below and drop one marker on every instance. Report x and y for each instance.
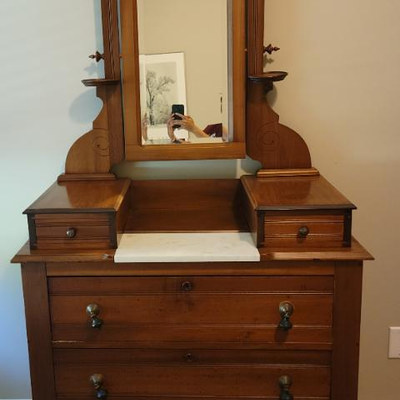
(394, 342)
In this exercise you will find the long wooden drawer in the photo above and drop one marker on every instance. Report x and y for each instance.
(294, 229)
(241, 310)
(191, 373)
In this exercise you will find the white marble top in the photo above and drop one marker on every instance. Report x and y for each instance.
(186, 247)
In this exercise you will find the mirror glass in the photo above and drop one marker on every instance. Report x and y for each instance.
(184, 71)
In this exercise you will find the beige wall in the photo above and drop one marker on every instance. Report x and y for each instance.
(343, 95)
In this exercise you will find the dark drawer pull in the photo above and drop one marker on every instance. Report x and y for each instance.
(285, 382)
(188, 357)
(71, 233)
(286, 311)
(93, 310)
(304, 231)
(97, 381)
(187, 286)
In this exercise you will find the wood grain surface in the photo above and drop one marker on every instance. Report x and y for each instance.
(212, 378)
(78, 197)
(298, 193)
(39, 331)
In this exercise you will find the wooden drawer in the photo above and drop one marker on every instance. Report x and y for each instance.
(73, 231)
(79, 215)
(243, 311)
(284, 229)
(191, 373)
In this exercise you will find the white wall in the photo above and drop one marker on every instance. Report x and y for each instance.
(44, 54)
(341, 95)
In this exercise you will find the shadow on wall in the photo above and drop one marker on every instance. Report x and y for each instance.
(86, 107)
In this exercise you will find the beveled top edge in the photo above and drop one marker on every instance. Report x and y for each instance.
(294, 193)
(354, 253)
(316, 207)
(76, 197)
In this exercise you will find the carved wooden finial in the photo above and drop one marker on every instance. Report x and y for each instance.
(97, 56)
(270, 49)
(279, 149)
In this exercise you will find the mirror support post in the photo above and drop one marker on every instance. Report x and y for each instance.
(92, 156)
(277, 147)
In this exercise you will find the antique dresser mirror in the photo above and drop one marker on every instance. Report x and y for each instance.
(184, 80)
(183, 61)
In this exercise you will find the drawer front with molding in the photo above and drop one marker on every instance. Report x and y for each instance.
(275, 311)
(191, 373)
(72, 231)
(305, 230)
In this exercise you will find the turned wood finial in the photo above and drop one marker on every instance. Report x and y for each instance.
(97, 56)
(280, 150)
(270, 49)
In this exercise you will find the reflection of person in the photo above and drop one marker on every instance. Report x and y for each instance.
(187, 122)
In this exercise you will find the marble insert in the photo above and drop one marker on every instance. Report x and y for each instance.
(186, 247)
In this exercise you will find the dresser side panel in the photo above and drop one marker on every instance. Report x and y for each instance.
(39, 330)
(346, 330)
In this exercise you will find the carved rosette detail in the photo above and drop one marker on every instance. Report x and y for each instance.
(268, 137)
(101, 146)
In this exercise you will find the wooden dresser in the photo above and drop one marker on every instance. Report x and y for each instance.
(286, 327)
(282, 325)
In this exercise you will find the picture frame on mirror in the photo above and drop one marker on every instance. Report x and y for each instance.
(162, 84)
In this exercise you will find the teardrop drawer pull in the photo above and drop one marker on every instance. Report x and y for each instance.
(285, 382)
(97, 381)
(286, 311)
(189, 358)
(93, 310)
(187, 286)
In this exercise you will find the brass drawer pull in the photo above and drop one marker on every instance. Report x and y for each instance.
(93, 310)
(97, 381)
(71, 233)
(187, 286)
(304, 231)
(286, 311)
(188, 357)
(285, 382)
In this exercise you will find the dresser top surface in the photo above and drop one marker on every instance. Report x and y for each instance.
(104, 196)
(294, 193)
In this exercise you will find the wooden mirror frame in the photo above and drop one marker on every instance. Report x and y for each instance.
(134, 149)
(280, 150)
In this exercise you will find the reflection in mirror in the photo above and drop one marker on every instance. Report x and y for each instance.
(183, 67)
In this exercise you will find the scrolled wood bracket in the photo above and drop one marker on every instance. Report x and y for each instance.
(92, 156)
(276, 146)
